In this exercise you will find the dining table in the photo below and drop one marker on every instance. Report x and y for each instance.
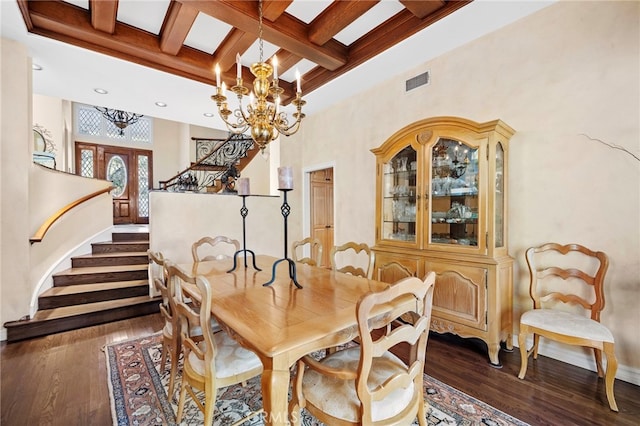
(280, 322)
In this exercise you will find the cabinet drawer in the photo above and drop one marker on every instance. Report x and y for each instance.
(460, 293)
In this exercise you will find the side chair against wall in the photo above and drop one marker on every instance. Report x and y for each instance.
(368, 384)
(366, 271)
(208, 243)
(216, 360)
(315, 251)
(556, 272)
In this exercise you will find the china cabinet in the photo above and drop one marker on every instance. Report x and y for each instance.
(441, 205)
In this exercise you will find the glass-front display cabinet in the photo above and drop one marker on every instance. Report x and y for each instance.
(440, 205)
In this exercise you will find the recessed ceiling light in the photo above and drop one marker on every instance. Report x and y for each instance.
(36, 67)
(208, 114)
(161, 104)
(100, 91)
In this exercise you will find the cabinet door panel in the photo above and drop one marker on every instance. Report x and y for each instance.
(459, 294)
(391, 268)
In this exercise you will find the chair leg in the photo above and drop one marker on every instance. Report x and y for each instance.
(297, 402)
(209, 404)
(536, 341)
(163, 359)
(524, 354)
(174, 371)
(597, 354)
(422, 411)
(610, 376)
(181, 400)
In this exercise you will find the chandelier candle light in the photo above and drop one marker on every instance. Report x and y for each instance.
(285, 184)
(262, 116)
(244, 192)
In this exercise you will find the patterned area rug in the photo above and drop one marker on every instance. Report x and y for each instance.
(138, 393)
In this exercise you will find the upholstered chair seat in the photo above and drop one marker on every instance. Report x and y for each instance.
(231, 358)
(567, 323)
(339, 399)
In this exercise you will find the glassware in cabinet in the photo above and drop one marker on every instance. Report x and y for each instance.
(399, 207)
(454, 193)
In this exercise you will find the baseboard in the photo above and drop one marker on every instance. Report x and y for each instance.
(581, 357)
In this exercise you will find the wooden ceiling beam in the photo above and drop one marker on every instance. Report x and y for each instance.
(273, 9)
(103, 15)
(397, 28)
(421, 9)
(237, 41)
(286, 32)
(176, 26)
(286, 60)
(335, 18)
(70, 24)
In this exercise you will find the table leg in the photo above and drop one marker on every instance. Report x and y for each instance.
(275, 390)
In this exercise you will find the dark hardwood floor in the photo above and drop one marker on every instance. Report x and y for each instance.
(61, 380)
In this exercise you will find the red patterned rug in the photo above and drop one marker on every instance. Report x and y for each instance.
(139, 395)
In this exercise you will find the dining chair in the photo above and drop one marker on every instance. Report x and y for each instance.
(315, 251)
(562, 275)
(367, 384)
(344, 251)
(208, 243)
(170, 338)
(213, 362)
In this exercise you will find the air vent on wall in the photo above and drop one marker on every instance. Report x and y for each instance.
(417, 81)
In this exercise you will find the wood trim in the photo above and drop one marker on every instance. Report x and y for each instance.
(40, 233)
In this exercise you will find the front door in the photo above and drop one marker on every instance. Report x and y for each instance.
(129, 170)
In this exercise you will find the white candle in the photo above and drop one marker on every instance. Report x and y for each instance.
(275, 67)
(217, 75)
(298, 78)
(238, 67)
(243, 186)
(285, 177)
(224, 89)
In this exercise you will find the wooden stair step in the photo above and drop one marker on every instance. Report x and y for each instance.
(109, 259)
(98, 274)
(129, 236)
(56, 297)
(121, 246)
(72, 317)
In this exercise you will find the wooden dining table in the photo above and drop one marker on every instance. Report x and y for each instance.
(280, 322)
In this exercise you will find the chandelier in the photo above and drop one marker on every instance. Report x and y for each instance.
(262, 115)
(121, 119)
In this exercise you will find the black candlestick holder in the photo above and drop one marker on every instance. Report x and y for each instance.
(285, 210)
(244, 211)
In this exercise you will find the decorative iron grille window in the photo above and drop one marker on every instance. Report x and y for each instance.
(91, 122)
(143, 186)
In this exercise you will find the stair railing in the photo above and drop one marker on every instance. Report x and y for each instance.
(40, 233)
(216, 170)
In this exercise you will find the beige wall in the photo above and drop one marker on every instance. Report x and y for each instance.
(15, 153)
(177, 220)
(567, 71)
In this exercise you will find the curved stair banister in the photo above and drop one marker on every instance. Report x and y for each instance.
(225, 159)
(40, 233)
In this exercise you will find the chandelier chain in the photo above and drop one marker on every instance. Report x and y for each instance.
(260, 29)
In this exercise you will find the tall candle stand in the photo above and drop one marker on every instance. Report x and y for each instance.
(285, 210)
(244, 212)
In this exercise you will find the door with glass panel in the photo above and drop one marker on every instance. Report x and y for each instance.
(129, 170)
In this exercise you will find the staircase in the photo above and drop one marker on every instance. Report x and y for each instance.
(107, 285)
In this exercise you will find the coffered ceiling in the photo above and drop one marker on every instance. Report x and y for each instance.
(156, 57)
(323, 38)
